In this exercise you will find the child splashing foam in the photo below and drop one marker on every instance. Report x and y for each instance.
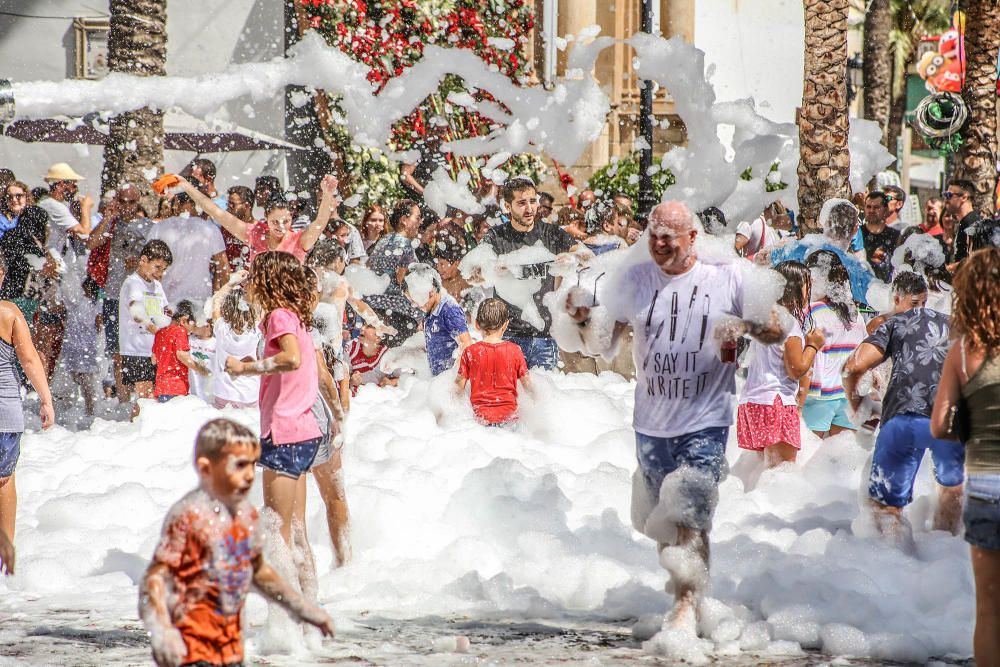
(291, 437)
(210, 552)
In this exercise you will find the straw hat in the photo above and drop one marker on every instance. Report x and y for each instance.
(61, 171)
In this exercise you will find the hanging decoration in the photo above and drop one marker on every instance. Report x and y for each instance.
(939, 118)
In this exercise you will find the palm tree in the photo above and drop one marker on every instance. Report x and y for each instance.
(977, 157)
(824, 164)
(877, 66)
(137, 45)
(911, 19)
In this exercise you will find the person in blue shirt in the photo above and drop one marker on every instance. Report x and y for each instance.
(446, 331)
(840, 221)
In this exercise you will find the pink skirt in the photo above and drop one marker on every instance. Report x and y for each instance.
(759, 426)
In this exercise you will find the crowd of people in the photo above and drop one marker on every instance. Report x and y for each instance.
(256, 299)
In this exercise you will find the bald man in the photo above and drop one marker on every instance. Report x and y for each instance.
(681, 310)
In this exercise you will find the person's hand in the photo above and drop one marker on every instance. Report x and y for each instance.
(816, 338)
(632, 235)
(356, 379)
(234, 366)
(150, 327)
(238, 277)
(168, 647)
(87, 202)
(47, 414)
(313, 615)
(50, 269)
(328, 186)
(202, 369)
(6, 554)
(577, 313)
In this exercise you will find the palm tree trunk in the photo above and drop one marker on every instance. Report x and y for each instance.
(977, 156)
(878, 64)
(824, 164)
(137, 45)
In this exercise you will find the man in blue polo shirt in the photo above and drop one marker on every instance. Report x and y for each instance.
(445, 330)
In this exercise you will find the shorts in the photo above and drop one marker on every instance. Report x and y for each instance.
(330, 442)
(702, 454)
(166, 398)
(539, 351)
(899, 448)
(759, 426)
(205, 663)
(109, 313)
(982, 510)
(10, 452)
(137, 369)
(820, 414)
(292, 460)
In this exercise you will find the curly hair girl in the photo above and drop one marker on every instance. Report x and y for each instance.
(975, 312)
(278, 280)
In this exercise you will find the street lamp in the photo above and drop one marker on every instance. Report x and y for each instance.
(6, 102)
(647, 199)
(855, 76)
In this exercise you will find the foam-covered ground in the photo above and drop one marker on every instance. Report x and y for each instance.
(476, 527)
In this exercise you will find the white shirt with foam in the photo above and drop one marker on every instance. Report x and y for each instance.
(682, 384)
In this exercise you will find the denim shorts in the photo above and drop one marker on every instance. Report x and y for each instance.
(820, 414)
(539, 351)
(982, 510)
(10, 452)
(292, 460)
(899, 448)
(700, 455)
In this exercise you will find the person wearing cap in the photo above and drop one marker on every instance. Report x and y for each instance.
(63, 187)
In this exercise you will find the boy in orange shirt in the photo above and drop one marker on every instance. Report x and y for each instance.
(209, 554)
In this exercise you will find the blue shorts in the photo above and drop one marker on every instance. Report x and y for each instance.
(166, 398)
(899, 448)
(10, 452)
(820, 414)
(982, 510)
(292, 460)
(109, 313)
(539, 351)
(702, 451)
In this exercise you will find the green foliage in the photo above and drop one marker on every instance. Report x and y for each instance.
(622, 175)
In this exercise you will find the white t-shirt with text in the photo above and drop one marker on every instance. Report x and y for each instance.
(133, 339)
(682, 384)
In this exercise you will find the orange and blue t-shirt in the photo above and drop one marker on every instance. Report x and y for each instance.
(210, 552)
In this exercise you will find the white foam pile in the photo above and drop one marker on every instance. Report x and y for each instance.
(455, 519)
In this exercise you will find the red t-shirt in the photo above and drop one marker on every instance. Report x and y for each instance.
(171, 374)
(493, 370)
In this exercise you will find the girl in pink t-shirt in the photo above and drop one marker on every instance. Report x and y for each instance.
(290, 436)
(274, 232)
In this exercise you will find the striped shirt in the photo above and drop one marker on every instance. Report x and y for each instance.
(826, 383)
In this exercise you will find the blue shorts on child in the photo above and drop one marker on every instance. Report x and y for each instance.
(292, 460)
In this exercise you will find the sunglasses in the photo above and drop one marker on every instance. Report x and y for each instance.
(948, 194)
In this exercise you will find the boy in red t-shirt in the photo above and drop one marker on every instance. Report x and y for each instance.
(172, 355)
(209, 554)
(494, 367)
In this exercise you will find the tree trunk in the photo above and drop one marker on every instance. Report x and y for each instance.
(977, 157)
(878, 64)
(137, 45)
(824, 164)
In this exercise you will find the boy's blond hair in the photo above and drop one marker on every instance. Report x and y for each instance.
(213, 437)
